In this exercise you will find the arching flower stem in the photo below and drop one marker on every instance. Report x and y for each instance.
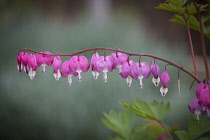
(128, 53)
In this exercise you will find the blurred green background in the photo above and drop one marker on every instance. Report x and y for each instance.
(48, 109)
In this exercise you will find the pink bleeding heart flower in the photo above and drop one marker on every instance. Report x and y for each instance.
(19, 62)
(25, 60)
(32, 66)
(129, 70)
(205, 96)
(104, 64)
(67, 72)
(44, 60)
(165, 79)
(144, 70)
(118, 59)
(200, 87)
(196, 108)
(79, 64)
(57, 62)
(93, 61)
(155, 71)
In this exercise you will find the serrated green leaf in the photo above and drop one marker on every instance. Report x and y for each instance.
(167, 7)
(203, 7)
(197, 129)
(148, 130)
(191, 9)
(182, 135)
(178, 19)
(154, 111)
(177, 3)
(192, 21)
(120, 122)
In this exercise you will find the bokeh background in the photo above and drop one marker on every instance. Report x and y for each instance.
(44, 108)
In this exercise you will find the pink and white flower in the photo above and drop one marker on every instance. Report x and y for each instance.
(67, 72)
(104, 64)
(79, 64)
(118, 59)
(32, 66)
(129, 70)
(93, 61)
(144, 72)
(25, 60)
(44, 60)
(196, 108)
(57, 62)
(155, 71)
(19, 62)
(165, 79)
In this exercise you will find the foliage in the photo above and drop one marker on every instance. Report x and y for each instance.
(185, 13)
(122, 123)
(154, 111)
(195, 130)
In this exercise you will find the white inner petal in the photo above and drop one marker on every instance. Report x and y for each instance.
(156, 81)
(129, 81)
(43, 68)
(163, 91)
(69, 80)
(141, 85)
(79, 76)
(105, 76)
(31, 74)
(57, 75)
(95, 74)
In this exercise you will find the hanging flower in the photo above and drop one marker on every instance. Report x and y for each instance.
(32, 66)
(25, 60)
(104, 64)
(118, 60)
(194, 107)
(93, 61)
(19, 62)
(155, 71)
(79, 64)
(129, 70)
(144, 72)
(44, 60)
(205, 96)
(67, 72)
(57, 62)
(165, 79)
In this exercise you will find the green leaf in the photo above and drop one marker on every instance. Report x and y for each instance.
(203, 7)
(197, 129)
(178, 19)
(120, 122)
(168, 7)
(192, 21)
(182, 135)
(205, 18)
(154, 111)
(149, 130)
(177, 3)
(191, 9)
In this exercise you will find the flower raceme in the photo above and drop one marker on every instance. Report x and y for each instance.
(128, 69)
